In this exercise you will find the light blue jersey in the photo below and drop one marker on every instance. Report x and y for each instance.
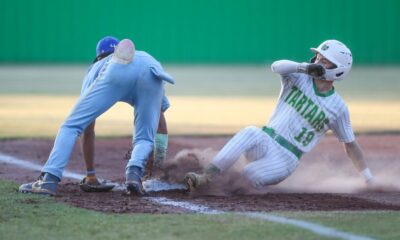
(139, 83)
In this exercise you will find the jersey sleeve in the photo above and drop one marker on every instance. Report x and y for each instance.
(342, 127)
(159, 72)
(287, 69)
(165, 104)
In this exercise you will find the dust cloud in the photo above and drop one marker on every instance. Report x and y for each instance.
(320, 174)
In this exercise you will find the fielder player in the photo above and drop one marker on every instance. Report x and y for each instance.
(129, 76)
(307, 108)
(90, 183)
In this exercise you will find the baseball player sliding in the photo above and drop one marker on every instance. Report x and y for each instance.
(129, 76)
(307, 108)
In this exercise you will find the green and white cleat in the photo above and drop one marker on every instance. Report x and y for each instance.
(194, 180)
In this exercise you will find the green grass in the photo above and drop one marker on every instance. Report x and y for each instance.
(35, 217)
(377, 224)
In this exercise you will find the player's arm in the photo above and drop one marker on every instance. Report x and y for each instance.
(87, 146)
(356, 155)
(344, 132)
(161, 141)
(90, 183)
(162, 124)
(88, 135)
(161, 138)
(286, 67)
(159, 154)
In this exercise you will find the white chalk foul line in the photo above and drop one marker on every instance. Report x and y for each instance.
(196, 208)
(29, 165)
(186, 205)
(316, 228)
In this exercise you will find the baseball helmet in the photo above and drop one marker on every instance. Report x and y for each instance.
(337, 53)
(105, 47)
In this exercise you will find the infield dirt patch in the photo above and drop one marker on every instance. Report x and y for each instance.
(325, 179)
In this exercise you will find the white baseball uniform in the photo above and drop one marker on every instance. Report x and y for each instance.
(302, 117)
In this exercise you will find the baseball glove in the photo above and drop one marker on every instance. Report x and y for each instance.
(95, 185)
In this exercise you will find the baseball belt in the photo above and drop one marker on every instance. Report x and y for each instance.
(283, 142)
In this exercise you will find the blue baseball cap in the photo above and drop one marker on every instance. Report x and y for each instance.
(106, 46)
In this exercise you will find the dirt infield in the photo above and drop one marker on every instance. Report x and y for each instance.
(324, 180)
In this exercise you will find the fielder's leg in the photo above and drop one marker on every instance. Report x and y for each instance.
(103, 94)
(147, 114)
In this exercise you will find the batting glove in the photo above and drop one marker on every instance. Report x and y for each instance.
(314, 70)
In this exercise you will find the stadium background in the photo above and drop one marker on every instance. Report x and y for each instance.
(208, 31)
(219, 52)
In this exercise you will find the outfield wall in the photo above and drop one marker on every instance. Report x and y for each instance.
(206, 31)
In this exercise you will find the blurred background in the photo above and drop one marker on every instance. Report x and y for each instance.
(218, 51)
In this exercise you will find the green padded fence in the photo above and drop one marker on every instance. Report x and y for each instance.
(194, 31)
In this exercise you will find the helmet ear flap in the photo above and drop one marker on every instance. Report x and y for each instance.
(312, 60)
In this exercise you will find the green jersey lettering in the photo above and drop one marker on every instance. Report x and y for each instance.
(309, 103)
(305, 136)
(310, 115)
(309, 110)
(294, 89)
(318, 119)
(301, 102)
(293, 100)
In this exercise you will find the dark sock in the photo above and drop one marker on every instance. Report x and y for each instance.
(51, 182)
(134, 173)
(212, 170)
(48, 177)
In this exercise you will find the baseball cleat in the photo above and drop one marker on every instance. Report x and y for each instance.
(134, 188)
(133, 182)
(194, 180)
(40, 187)
(124, 52)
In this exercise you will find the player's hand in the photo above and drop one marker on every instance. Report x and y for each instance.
(312, 69)
(374, 186)
(315, 70)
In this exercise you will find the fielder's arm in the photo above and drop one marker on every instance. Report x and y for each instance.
(90, 183)
(162, 124)
(159, 154)
(87, 146)
(161, 141)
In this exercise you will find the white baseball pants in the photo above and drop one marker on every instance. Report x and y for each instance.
(270, 163)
